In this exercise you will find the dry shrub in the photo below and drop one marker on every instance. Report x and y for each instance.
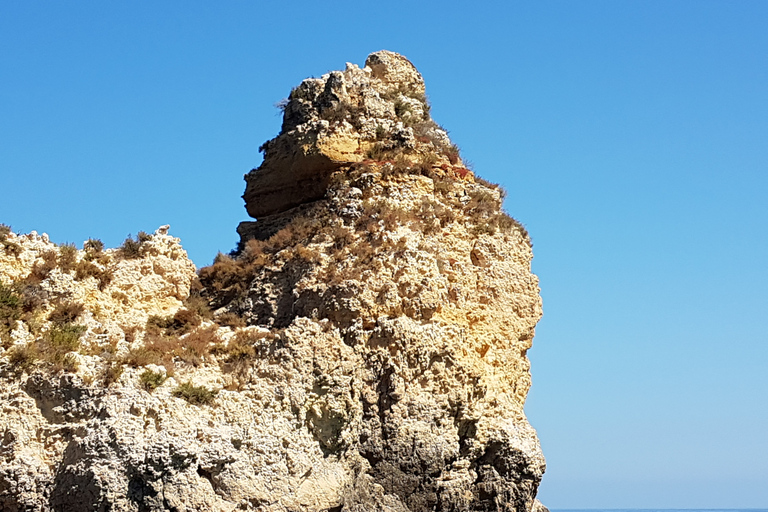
(443, 185)
(132, 248)
(434, 215)
(453, 153)
(33, 298)
(305, 227)
(185, 320)
(11, 308)
(483, 228)
(163, 349)
(231, 320)
(341, 236)
(377, 152)
(394, 216)
(307, 254)
(342, 111)
(227, 279)
(289, 235)
(157, 325)
(198, 305)
(11, 248)
(67, 257)
(400, 165)
(66, 313)
(507, 223)
(427, 160)
(482, 203)
(41, 271)
(85, 268)
(22, 358)
(113, 372)
(244, 347)
(485, 183)
(59, 341)
(93, 247)
(157, 350)
(196, 346)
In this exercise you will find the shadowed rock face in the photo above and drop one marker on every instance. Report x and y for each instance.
(367, 345)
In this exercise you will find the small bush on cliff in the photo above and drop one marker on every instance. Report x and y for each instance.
(11, 308)
(66, 313)
(113, 372)
(85, 268)
(182, 322)
(157, 349)
(93, 247)
(132, 248)
(21, 359)
(196, 346)
(41, 270)
(196, 395)
(8, 247)
(11, 248)
(59, 341)
(151, 380)
(67, 257)
(227, 278)
(229, 319)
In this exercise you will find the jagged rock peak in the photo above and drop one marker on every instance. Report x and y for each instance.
(344, 117)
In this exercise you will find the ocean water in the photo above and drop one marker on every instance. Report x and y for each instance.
(658, 509)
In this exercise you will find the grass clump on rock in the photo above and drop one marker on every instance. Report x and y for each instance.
(195, 395)
(151, 380)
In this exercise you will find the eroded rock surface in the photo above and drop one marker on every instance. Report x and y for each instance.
(365, 349)
(337, 120)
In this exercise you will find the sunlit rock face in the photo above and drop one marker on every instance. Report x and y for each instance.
(363, 350)
(336, 120)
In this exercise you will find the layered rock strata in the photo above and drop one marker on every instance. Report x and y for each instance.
(364, 349)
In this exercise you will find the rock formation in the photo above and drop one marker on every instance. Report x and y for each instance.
(363, 350)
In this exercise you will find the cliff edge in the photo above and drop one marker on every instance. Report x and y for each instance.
(364, 348)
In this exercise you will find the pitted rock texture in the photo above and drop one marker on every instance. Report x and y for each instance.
(337, 119)
(364, 350)
(425, 287)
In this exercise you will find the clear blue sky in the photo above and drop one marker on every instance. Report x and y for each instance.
(632, 138)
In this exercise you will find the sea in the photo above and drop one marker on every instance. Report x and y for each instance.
(658, 509)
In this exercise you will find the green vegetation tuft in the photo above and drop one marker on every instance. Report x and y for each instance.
(196, 395)
(151, 380)
(11, 309)
(8, 247)
(67, 257)
(132, 248)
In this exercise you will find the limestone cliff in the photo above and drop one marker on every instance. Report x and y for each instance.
(364, 349)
